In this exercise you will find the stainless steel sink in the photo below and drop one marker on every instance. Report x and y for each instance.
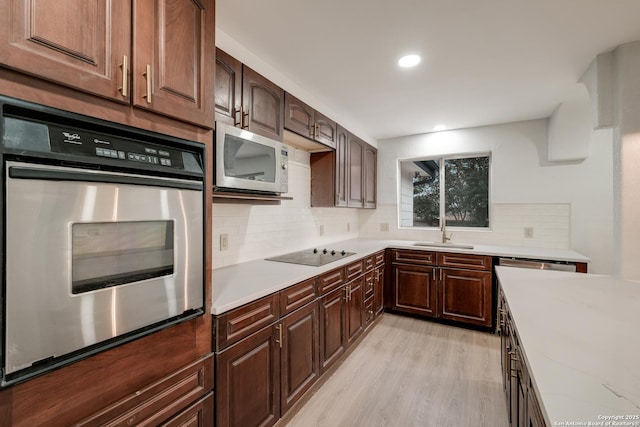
(444, 245)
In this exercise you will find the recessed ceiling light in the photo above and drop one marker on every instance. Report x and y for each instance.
(438, 128)
(409, 61)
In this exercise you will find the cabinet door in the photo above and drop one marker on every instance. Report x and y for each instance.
(248, 380)
(300, 354)
(228, 88)
(298, 116)
(325, 130)
(175, 58)
(414, 289)
(534, 413)
(355, 155)
(332, 327)
(355, 318)
(78, 43)
(263, 105)
(342, 167)
(370, 183)
(378, 290)
(465, 296)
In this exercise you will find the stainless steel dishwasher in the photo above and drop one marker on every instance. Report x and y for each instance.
(537, 265)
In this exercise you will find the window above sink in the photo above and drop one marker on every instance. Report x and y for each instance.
(452, 190)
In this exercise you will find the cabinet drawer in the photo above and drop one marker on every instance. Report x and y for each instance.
(200, 414)
(379, 258)
(297, 296)
(369, 284)
(355, 269)
(473, 262)
(161, 399)
(369, 263)
(231, 327)
(413, 257)
(330, 281)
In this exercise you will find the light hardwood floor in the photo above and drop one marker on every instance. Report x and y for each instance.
(409, 372)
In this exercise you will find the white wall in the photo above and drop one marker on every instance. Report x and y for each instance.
(261, 231)
(627, 143)
(569, 204)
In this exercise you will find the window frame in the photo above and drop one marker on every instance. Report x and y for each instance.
(441, 159)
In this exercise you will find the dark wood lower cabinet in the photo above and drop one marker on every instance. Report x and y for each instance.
(355, 299)
(414, 289)
(159, 401)
(534, 414)
(453, 287)
(523, 409)
(200, 414)
(248, 379)
(299, 356)
(465, 296)
(378, 290)
(263, 371)
(332, 320)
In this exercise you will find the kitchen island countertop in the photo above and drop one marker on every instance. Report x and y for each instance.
(580, 338)
(242, 283)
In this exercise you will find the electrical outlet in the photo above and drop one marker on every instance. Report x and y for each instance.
(528, 232)
(322, 230)
(224, 242)
(384, 227)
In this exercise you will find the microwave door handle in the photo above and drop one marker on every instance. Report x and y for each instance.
(21, 172)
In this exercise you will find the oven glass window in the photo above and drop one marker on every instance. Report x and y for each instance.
(106, 254)
(245, 159)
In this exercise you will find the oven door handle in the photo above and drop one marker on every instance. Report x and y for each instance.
(21, 172)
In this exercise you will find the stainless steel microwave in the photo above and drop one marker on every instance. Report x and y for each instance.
(245, 161)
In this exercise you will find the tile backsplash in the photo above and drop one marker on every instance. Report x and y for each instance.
(261, 231)
(548, 224)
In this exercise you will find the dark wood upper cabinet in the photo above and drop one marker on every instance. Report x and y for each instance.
(228, 88)
(155, 56)
(325, 130)
(369, 176)
(263, 105)
(174, 58)
(355, 159)
(305, 121)
(346, 177)
(78, 43)
(342, 167)
(298, 116)
(246, 99)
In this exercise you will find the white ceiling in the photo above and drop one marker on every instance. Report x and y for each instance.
(483, 61)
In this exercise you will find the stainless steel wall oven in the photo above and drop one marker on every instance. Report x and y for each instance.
(102, 235)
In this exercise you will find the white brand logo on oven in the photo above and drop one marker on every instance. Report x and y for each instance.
(72, 138)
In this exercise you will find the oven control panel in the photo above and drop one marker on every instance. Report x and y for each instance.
(92, 144)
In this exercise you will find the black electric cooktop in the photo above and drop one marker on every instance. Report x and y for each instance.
(313, 257)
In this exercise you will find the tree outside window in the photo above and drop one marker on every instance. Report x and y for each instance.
(456, 189)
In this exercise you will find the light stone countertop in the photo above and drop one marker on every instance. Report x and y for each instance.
(580, 337)
(242, 283)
